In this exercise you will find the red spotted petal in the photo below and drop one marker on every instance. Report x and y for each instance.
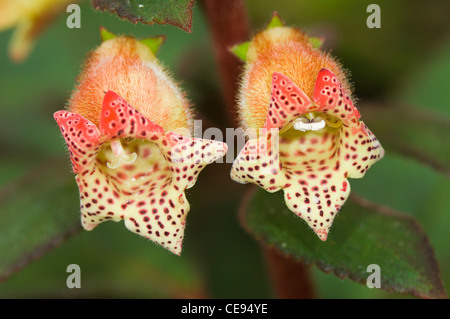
(288, 102)
(82, 138)
(142, 194)
(309, 171)
(149, 193)
(360, 149)
(331, 98)
(188, 156)
(317, 183)
(259, 163)
(317, 200)
(119, 119)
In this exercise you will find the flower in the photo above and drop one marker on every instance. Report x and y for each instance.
(312, 138)
(31, 17)
(130, 162)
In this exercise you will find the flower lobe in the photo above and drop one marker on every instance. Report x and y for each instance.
(82, 138)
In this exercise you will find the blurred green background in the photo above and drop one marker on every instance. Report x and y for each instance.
(407, 61)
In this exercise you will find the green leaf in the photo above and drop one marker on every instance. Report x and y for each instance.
(426, 85)
(240, 50)
(363, 234)
(423, 135)
(174, 12)
(36, 214)
(115, 263)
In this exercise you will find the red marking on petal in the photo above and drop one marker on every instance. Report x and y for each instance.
(119, 119)
(329, 95)
(188, 156)
(322, 234)
(287, 102)
(258, 163)
(362, 147)
(81, 136)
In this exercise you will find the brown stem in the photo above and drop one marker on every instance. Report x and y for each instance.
(290, 279)
(229, 26)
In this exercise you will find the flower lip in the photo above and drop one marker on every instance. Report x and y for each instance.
(148, 193)
(311, 167)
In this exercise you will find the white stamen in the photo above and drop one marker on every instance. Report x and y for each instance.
(304, 124)
(120, 155)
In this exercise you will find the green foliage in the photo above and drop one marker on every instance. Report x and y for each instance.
(37, 213)
(423, 135)
(174, 12)
(427, 85)
(363, 234)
